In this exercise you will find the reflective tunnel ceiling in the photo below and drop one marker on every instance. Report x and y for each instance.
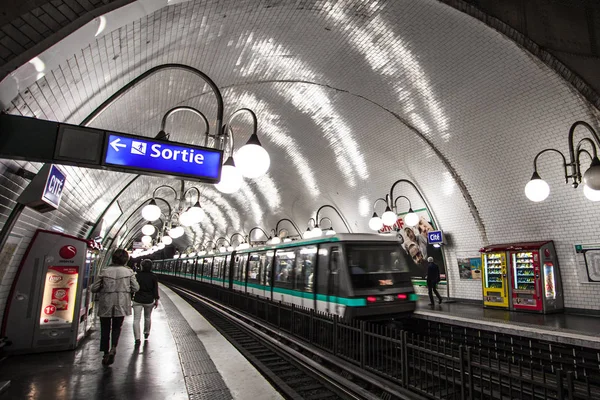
(350, 96)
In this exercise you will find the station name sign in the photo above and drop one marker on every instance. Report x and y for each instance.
(35, 139)
(435, 237)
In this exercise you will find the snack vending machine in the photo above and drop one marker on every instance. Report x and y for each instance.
(532, 278)
(495, 285)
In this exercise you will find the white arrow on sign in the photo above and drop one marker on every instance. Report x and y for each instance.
(115, 144)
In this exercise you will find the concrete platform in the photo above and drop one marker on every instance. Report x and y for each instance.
(577, 330)
(180, 360)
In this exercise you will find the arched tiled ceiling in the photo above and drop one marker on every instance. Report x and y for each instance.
(350, 96)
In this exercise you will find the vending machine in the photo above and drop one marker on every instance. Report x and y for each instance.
(495, 285)
(50, 307)
(532, 276)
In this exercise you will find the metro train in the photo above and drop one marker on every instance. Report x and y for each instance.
(362, 276)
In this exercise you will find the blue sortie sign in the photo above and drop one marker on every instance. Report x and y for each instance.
(162, 157)
(435, 237)
(55, 183)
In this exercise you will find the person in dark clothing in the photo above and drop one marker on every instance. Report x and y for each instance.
(146, 298)
(433, 278)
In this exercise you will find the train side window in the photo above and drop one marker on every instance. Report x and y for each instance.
(254, 268)
(284, 271)
(306, 258)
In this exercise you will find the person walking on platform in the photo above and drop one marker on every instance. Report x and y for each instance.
(146, 298)
(433, 278)
(114, 285)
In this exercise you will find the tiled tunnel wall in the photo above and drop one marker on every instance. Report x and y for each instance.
(336, 134)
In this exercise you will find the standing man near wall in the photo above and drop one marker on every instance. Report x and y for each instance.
(433, 278)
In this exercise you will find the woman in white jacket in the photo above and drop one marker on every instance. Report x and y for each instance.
(114, 285)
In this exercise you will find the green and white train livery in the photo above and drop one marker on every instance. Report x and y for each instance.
(352, 275)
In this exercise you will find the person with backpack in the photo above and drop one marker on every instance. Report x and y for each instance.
(114, 286)
(146, 298)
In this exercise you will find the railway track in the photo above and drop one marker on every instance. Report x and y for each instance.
(296, 373)
(390, 363)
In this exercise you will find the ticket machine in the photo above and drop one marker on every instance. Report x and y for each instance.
(50, 304)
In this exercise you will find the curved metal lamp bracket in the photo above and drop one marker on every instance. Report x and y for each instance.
(291, 222)
(173, 110)
(337, 212)
(402, 197)
(252, 230)
(238, 234)
(567, 176)
(125, 89)
(429, 209)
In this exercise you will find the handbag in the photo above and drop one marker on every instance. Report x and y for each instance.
(97, 285)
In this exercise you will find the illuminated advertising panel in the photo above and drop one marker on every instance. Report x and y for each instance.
(60, 292)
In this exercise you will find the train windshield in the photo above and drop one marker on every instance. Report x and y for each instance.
(376, 266)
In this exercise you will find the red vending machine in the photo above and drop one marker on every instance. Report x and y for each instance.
(533, 276)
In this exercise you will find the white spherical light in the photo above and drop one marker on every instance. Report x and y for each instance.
(148, 229)
(161, 246)
(591, 194)
(411, 219)
(196, 213)
(252, 159)
(389, 218)
(537, 190)
(167, 240)
(231, 178)
(591, 177)
(176, 232)
(151, 212)
(375, 223)
(146, 240)
(185, 219)
(316, 232)
(330, 232)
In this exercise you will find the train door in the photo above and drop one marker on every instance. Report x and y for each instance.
(239, 278)
(333, 282)
(266, 261)
(254, 273)
(228, 271)
(306, 257)
(283, 277)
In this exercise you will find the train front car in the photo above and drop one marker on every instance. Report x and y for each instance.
(377, 277)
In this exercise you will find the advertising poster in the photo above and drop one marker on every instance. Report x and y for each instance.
(58, 301)
(587, 257)
(469, 268)
(413, 241)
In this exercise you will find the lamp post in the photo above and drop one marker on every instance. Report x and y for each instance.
(538, 190)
